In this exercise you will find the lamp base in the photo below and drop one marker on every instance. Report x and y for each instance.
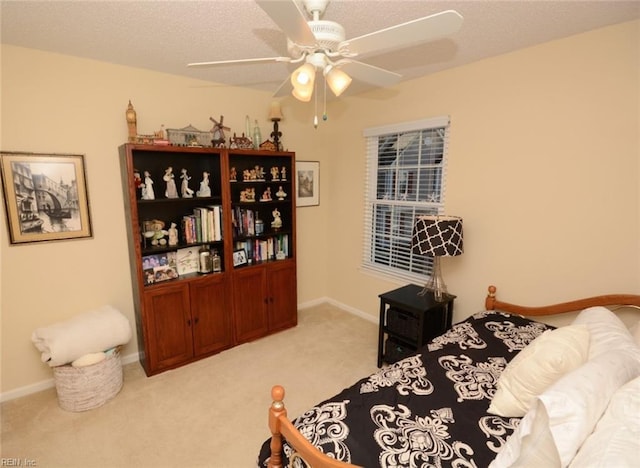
(435, 284)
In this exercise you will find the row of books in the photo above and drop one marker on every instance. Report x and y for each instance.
(244, 222)
(204, 225)
(262, 250)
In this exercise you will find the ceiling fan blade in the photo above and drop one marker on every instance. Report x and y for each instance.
(369, 73)
(239, 61)
(288, 16)
(284, 89)
(405, 34)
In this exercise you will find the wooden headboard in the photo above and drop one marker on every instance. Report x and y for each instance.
(491, 303)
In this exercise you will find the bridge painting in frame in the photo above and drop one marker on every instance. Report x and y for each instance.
(45, 196)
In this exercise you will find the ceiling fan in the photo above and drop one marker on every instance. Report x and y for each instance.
(320, 45)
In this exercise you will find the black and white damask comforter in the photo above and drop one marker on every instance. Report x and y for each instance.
(429, 409)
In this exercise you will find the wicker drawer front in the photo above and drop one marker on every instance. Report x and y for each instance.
(402, 323)
(394, 350)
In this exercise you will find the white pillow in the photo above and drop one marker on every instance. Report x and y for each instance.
(545, 360)
(616, 439)
(531, 445)
(635, 332)
(567, 412)
(606, 329)
(89, 359)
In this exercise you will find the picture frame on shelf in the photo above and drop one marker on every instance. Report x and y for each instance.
(308, 183)
(187, 260)
(240, 258)
(45, 196)
(157, 268)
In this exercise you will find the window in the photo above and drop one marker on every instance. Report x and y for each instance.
(406, 168)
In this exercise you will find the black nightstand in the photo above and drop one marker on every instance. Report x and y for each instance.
(409, 321)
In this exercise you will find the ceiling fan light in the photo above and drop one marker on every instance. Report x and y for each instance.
(303, 75)
(302, 93)
(337, 80)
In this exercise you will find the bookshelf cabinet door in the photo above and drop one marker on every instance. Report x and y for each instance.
(169, 340)
(212, 315)
(283, 307)
(250, 302)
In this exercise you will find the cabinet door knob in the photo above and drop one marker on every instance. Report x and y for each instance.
(188, 322)
(196, 320)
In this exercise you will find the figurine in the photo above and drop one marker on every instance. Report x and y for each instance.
(248, 195)
(205, 190)
(173, 235)
(137, 180)
(147, 189)
(266, 195)
(281, 193)
(233, 176)
(259, 172)
(275, 174)
(277, 220)
(186, 191)
(283, 174)
(170, 191)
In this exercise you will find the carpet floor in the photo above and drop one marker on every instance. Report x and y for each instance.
(212, 413)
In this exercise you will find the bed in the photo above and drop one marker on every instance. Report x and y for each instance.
(465, 400)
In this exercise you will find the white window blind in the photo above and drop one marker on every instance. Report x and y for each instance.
(406, 175)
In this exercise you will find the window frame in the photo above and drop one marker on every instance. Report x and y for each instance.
(394, 229)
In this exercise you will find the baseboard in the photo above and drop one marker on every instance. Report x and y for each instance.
(340, 305)
(49, 383)
(133, 357)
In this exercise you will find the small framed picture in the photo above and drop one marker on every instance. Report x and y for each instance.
(187, 260)
(308, 181)
(239, 257)
(45, 197)
(159, 267)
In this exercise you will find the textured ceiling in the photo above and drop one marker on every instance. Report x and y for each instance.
(166, 35)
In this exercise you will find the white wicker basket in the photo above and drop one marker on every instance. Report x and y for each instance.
(85, 388)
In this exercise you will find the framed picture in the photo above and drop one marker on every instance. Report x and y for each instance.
(239, 257)
(308, 183)
(45, 197)
(159, 267)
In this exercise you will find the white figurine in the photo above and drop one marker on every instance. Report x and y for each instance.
(170, 191)
(283, 173)
(186, 191)
(205, 190)
(281, 193)
(147, 189)
(277, 220)
(173, 235)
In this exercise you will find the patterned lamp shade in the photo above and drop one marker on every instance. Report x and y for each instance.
(437, 236)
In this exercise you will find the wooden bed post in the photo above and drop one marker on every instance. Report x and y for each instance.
(276, 410)
(490, 301)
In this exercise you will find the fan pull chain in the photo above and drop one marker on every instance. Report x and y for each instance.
(315, 100)
(324, 113)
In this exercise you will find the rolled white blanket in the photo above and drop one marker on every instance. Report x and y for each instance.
(89, 332)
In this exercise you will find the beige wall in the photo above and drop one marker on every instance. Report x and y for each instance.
(544, 146)
(543, 167)
(58, 104)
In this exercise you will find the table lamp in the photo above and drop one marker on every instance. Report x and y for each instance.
(437, 236)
